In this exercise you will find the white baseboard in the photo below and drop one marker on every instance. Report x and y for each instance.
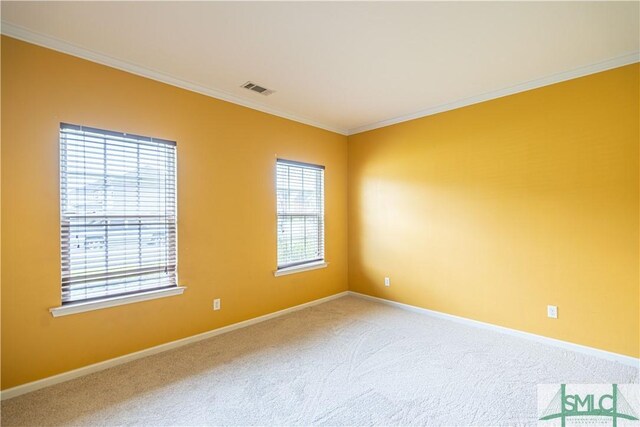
(603, 354)
(66, 376)
(86, 370)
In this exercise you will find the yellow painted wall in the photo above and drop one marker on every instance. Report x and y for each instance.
(495, 210)
(226, 208)
(490, 212)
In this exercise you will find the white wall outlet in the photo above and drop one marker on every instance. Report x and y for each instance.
(387, 281)
(216, 304)
(552, 311)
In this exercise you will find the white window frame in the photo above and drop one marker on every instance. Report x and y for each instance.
(73, 135)
(305, 264)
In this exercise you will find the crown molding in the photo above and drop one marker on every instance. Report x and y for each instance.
(616, 62)
(53, 43)
(27, 35)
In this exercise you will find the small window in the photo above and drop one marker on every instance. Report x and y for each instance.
(118, 213)
(300, 200)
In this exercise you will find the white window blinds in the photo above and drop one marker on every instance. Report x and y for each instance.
(300, 200)
(118, 213)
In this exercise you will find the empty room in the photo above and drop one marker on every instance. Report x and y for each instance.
(339, 213)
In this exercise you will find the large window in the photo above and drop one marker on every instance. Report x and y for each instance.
(118, 213)
(300, 199)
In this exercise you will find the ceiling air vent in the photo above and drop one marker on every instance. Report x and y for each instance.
(257, 88)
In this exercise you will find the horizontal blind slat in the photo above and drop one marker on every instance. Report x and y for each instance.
(300, 209)
(118, 213)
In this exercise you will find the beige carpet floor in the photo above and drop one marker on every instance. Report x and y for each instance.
(345, 362)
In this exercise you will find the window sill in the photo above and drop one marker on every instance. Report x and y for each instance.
(81, 307)
(300, 268)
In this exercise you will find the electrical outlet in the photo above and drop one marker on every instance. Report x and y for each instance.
(216, 304)
(552, 311)
(387, 281)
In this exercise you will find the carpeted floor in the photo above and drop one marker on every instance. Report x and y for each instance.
(345, 362)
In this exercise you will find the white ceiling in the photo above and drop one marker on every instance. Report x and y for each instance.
(343, 66)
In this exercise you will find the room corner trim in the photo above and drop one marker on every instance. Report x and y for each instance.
(100, 366)
(590, 351)
(56, 44)
(619, 61)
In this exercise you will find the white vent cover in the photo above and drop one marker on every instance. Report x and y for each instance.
(257, 88)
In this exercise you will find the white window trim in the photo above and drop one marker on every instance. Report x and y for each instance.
(81, 307)
(300, 268)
